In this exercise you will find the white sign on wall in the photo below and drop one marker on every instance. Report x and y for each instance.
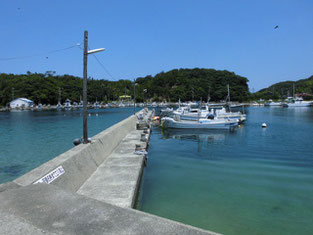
(48, 178)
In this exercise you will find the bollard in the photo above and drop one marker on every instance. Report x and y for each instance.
(143, 137)
(77, 141)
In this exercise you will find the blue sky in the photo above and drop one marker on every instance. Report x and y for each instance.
(146, 37)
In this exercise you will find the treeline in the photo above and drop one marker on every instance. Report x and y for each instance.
(285, 89)
(183, 84)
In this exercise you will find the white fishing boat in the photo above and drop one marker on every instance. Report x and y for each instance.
(186, 113)
(272, 103)
(67, 104)
(96, 105)
(59, 106)
(223, 114)
(175, 122)
(167, 110)
(298, 102)
(80, 105)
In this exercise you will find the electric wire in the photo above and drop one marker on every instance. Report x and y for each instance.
(40, 54)
(103, 67)
(107, 71)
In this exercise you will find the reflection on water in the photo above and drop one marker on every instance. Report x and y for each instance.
(195, 135)
(203, 138)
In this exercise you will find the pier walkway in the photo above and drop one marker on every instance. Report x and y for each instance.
(117, 179)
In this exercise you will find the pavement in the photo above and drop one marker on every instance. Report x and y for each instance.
(48, 209)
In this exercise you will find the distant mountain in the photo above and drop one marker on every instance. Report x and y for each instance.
(284, 89)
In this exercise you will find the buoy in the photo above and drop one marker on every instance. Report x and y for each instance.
(154, 118)
(264, 125)
(96, 115)
(89, 114)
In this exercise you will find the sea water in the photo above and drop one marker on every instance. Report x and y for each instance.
(251, 181)
(29, 139)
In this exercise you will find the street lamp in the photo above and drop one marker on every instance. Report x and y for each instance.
(86, 53)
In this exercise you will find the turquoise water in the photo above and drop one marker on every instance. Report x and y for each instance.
(29, 139)
(251, 181)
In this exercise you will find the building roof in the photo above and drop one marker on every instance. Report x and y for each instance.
(22, 99)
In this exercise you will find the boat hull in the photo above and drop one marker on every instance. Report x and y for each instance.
(300, 104)
(202, 124)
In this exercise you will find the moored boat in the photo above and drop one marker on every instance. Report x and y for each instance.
(298, 102)
(175, 122)
(272, 103)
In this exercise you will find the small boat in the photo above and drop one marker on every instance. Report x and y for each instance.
(59, 106)
(272, 103)
(186, 113)
(203, 123)
(298, 102)
(67, 104)
(96, 105)
(223, 114)
(167, 110)
(39, 107)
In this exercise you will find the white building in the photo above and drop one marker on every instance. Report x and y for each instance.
(21, 103)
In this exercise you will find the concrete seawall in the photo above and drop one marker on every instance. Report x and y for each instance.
(81, 161)
(89, 189)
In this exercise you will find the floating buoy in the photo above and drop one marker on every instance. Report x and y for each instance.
(96, 115)
(264, 125)
(154, 118)
(89, 114)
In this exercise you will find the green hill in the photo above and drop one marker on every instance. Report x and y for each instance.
(283, 89)
(195, 84)
(184, 84)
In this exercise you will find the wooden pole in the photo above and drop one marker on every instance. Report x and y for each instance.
(134, 98)
(85, 130)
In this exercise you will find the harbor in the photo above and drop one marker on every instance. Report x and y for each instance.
(219, 166)
(156, 117)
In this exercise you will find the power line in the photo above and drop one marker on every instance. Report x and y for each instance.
(40, 54)
(104, 68)
(107, 71)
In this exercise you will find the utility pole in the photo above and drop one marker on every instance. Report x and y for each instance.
(86, 53)
(85, 130)
(135, 97)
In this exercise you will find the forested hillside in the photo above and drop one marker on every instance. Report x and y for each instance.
(184, 84)
(283, 89)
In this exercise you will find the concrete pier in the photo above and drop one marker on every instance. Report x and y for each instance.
(117, 179)
(89, 189)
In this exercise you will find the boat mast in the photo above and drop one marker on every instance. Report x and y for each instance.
(209, 95)
(59, 100)
(228, 98)
(228, 95)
